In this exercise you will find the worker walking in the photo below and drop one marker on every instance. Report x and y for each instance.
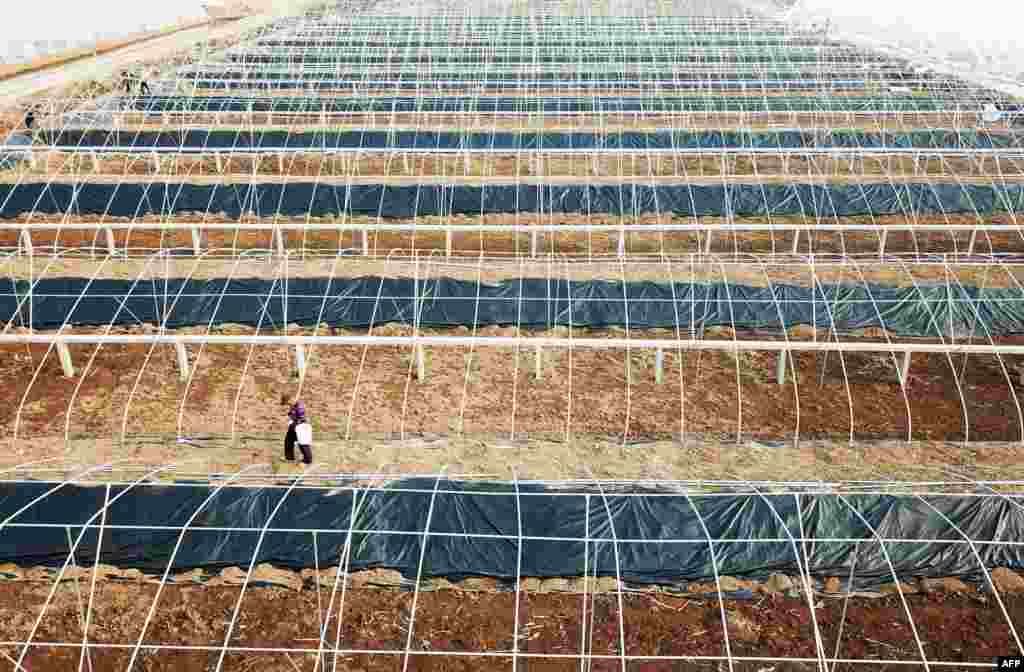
(300, 432)
(126, 81)
(30, 118)
(143, 87)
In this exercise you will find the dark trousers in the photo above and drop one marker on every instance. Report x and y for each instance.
(289, 447)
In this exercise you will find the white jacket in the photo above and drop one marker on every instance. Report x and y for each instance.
(304, 433)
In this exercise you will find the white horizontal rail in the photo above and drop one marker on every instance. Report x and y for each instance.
(313, 111)
(518, 342)
(610, 63)
(609, 66)
(708, 489)
(703, 84)
(654, 227)
(1014, 153)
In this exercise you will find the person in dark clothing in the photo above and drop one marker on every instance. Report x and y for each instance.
(300, 433)
(30, 118)
(126, 81)
(143, 87)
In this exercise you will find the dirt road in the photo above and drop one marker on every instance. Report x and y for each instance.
(107, 65)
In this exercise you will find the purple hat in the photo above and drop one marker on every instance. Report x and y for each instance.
(298, 411)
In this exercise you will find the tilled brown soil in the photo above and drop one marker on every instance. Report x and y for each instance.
(593, 168)
(773, 271)
(451, 629)
(596, 243)
(355, 391)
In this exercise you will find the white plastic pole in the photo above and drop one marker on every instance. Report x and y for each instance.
(65, 359)
(182, 357)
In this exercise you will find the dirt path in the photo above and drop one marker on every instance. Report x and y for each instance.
(107, 65)
(71, 56)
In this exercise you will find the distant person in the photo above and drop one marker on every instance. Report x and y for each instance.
(304, 438)
(126, 81)
(991, 113)
(143, 87)
(30, 118)
(299, 432)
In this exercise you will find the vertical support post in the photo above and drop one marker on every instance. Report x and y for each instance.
(974, 239)
(156, 163)
(796, 241)
(780, 368)
(280, 163)
(538, 363)
(300, 360)
(111, 243)
(182, 357)
(881, 242)
(366, 243)
(26, 242)
(659, 366)
(74, 565)
(279, 240)
(95, 161)
(622, 244)
(905, 369)
(533, 244)
(448, 243)
(707, 243)
(197, 241)
(220, 162)
(65, 359)
(421, 364)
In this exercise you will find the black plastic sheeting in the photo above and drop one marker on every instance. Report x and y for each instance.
(497, 104)
(620, 529)
(198, 140)
(924, 310)
(399, 201)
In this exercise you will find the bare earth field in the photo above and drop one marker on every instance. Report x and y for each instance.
(756, 272)
(594, 168)
(598, 243)
(591, 414)
(449, 625)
